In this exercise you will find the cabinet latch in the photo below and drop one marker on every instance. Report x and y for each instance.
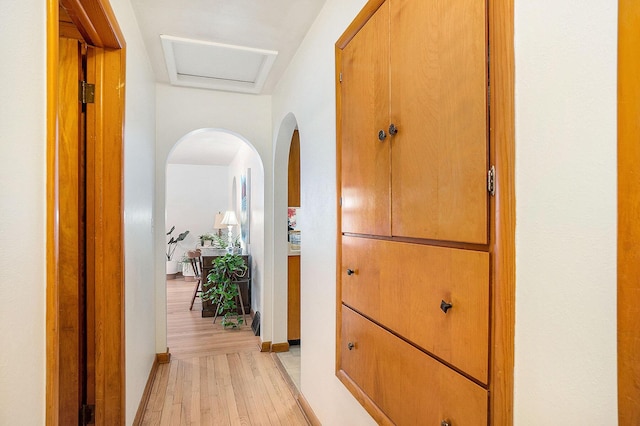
(491, 181)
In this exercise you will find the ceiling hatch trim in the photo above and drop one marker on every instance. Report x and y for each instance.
(217, 66)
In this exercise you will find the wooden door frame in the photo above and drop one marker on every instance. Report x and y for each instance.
(628, 208)
(502, 233)
(96, 23)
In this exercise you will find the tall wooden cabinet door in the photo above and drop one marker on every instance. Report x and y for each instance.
(439, 106)
(365, 112)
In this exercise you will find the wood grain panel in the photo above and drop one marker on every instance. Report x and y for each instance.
(71, 236)
(52, 239)
(628, 213)
(293, 298)
(503, 276)
(406, 384)
(294, 171)
(439, 104)
(401, 286)
(108, 231)
(96, 21)
(365, 110)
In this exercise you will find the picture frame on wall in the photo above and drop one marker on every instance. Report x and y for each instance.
(245, 205)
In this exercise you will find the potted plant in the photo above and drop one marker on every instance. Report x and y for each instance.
(172, 265)
(222, 290)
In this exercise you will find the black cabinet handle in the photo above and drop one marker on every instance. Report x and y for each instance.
(393, 130)
(350, 272)
(351, 345)
(382, 135)
(445, 306)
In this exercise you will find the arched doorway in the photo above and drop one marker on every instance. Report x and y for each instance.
(287, 333)
(203, 175)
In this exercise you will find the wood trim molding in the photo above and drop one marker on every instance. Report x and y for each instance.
(307, 410)
(628, 208)
(96, 22)
(52, 331)
(364, 400)
(502, 124)
(146, 395)
(358, 22)
(280, 347)
(265, 346)
(108, 197)
(163, 358)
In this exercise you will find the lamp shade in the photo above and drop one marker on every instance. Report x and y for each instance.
(218, 221)
(229, 218)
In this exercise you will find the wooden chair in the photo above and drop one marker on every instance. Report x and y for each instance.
(195, 256)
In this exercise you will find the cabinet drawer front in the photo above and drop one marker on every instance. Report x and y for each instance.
(403, 286)
(407, 385)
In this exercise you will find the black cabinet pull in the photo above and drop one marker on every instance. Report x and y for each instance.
(350, 272)
(382, 135)
(445, 306)
(351, 345)
(393, 130)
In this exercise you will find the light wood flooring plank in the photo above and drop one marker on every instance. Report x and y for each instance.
(216, 376)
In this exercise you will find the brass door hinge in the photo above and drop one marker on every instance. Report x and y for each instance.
(491, 181)
(87, 414)
(87, 92)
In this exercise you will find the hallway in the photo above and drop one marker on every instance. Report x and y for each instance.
(216, 376)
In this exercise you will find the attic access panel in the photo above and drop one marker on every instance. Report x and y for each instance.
(211, 65)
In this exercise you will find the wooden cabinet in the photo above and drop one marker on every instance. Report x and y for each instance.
(419, 67)
(293, 299)
(414, 260)
(244, 286)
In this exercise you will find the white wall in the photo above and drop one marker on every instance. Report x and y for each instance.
(23, 204)
(182, 110)
(22, 212)
(565, 369)
(247, 158)
(139, 195)
(195, 193)
(306, 95)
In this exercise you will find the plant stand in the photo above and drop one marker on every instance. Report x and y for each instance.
(239, 298)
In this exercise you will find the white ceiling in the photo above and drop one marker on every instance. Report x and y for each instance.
(273, 25)
(263, 25)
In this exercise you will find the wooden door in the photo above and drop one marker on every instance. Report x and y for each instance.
(365, 113)
(439, 105)
(72, 233)
(85, 284)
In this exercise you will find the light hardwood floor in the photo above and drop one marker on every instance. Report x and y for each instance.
(216, 376)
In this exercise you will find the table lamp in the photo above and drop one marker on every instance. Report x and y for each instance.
(217, 224)
(230, 220)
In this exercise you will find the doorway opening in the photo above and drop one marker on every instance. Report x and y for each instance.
(210, 172)
(288, 234)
